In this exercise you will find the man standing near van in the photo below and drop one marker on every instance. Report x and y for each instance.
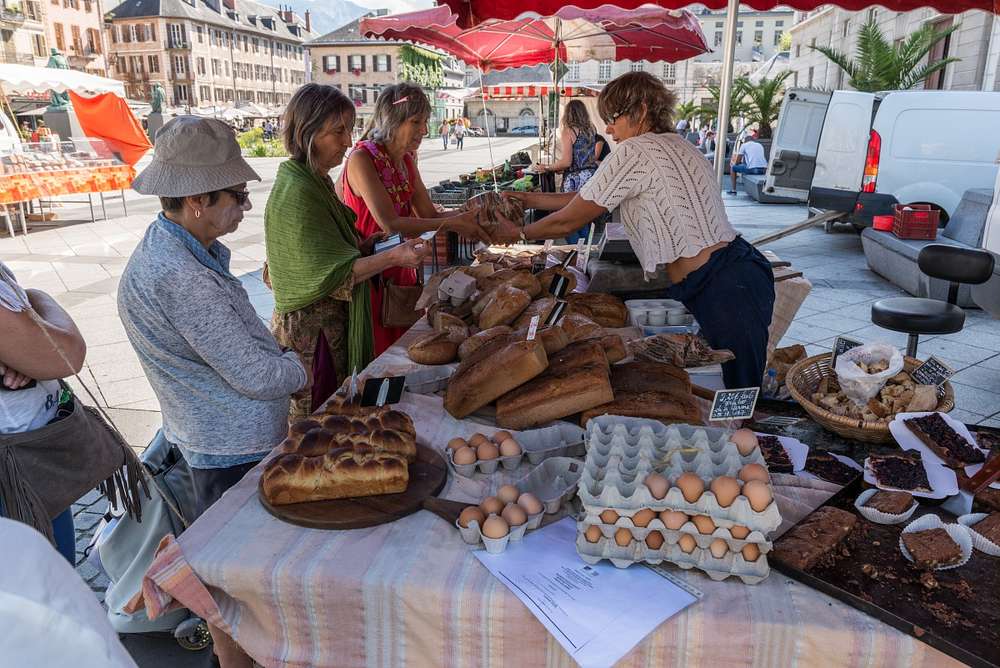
(749, 159)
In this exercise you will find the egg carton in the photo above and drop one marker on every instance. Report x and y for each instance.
(537, 445)
(554, 482)
(756, 537)
(615, 430)
(672, 460)
(732, 564)
(473, 534)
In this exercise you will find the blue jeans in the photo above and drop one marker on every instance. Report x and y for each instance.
(64, 531)
(743, 169)
(732, 298)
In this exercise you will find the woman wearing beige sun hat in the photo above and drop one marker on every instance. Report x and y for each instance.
(222, 381)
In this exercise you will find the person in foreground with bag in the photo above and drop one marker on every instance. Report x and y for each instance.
(319, 266)
(222, 381)
(672, 208)
(382, 185)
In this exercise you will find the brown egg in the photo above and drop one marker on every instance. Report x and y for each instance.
(592, 534)
(472, 513)
(623, 537)
(464, 455)
(687, 544)
(491, 505)
(726, 489)
(691, 486)
(643, 517)
(510, 448)
(657, 484)
(673, 519)
(495, 527)
(739, 532)
(745, 440)
(704, 524)
(750, 552)
(530, 503)
(718, 548)
(758, 494)
(478, 439)
(508, 494)
(487, 451)
(609, 516)
(514, 515)
(654, 539)
(501, 436)
(754, 472)
(457, 443)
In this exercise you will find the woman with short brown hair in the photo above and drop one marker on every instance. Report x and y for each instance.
(671, 206)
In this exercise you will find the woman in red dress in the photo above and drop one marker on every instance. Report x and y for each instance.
(383, 187)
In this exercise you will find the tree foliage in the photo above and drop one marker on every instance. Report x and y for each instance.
(762, 100)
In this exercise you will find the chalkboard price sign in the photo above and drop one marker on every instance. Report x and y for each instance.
(556, 312)
(932, 372)
(382, 391)
(841, 345)
(735, 404)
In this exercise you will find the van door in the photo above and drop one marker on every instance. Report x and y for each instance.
(793, 147)
(843, 147)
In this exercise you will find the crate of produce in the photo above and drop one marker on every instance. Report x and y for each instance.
(451, 198)
(915, 221)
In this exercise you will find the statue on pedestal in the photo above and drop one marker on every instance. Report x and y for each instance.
(157, 98)
(58, 101)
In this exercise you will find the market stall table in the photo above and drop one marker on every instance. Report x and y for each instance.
(412, 593)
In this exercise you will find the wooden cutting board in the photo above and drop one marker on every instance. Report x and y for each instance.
(427, 476)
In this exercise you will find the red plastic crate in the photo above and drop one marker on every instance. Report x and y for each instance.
(915, 221)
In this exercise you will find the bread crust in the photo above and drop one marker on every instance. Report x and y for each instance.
(336, 474)
(435, 348)
(492, 371)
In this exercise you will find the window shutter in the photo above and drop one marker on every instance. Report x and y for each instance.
(152, 32)
(362, 58)
(388, 63)
(336, 60)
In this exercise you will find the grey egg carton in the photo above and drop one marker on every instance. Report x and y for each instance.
(732, 564)
(486, 466)
(673, 535)
(537, 445)
(473, 534)
(554, 482)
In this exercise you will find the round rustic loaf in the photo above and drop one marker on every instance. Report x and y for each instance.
(436, 348)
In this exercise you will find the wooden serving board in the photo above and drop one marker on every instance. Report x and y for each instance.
(427, 477)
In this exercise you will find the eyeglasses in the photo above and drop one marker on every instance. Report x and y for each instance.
(241, 196)
(614, 117)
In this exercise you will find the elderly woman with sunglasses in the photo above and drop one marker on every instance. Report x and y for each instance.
(671, 206)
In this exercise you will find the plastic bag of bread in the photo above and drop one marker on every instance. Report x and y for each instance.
(492, 207)
(863, 371)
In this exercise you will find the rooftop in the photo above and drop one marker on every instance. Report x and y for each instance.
(242, 15)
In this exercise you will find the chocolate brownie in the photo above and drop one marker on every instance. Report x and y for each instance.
(814, 537)
(989, 528)
(826, 466)
(774, 454)
(944, 441)
(904, 472)
(894, 503)
(932, 548)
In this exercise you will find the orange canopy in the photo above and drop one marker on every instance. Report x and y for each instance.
(107, 117)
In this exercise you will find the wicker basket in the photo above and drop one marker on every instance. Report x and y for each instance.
(803, 379)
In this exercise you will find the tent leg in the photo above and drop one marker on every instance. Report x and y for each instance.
(104, 209)
(90, 200)
(726, 89)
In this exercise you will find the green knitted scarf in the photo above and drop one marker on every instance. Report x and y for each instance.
(311, 248)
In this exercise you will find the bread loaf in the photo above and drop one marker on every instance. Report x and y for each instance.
(606, 310)
(667, 408)
(487, 283)
(506, 303)
(540, 307)
(336, 428)
(578, 328)
(553, 338)
(581, 353)
(451, 324)
(337, 474)
(491, 371)
(546, 275)
(553, 395)
(474, 342)
(648, 376)
(436, 348)
(614, 348)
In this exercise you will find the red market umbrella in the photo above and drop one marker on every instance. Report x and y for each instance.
(648, 33)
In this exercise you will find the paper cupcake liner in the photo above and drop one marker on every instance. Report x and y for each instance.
(979, 541)
(878, 516)
(960, 534)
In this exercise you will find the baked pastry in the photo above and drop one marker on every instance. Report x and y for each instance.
(989, 528)
(540, 307)
(546, 276)
(904, 472)
(479, 339)
(606, 310)
(892, 503)
(815, 537)
(492, 371)
(436, 348)
(557, 393)
(503, 306)
(340, 431)
(650, 377)
(932, 548)
(774, 454)
(578, 328)
(663, 406)
(826, 466)
(336, 474)
(300, 428)
(553, 338)
(945, 442)
(614, 348)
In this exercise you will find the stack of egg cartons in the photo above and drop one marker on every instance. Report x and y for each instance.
(647, 496)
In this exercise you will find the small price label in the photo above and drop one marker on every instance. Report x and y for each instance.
(932, 372)
(556, 312)
(533, 328)
(841, 345)
(569, 258)
(735, 404)
(382, 391)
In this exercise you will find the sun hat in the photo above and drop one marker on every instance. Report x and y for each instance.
(193, 156)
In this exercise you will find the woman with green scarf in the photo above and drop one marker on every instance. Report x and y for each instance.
(317, 265)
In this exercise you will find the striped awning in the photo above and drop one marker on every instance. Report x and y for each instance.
(530, 90)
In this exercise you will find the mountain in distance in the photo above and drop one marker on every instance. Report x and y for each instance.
(325, 15)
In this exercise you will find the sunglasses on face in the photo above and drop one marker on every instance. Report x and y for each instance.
(241, 196)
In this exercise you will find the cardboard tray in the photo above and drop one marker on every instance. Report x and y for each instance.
(899, 602)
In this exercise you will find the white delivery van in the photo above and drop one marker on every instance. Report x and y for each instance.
(793, 146)
(928, 147)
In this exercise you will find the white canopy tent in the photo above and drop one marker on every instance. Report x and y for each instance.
(23, 79)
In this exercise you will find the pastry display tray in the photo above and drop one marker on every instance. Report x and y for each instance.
(958, 613)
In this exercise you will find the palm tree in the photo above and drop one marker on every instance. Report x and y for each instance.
(737, 107)
(687, 111)
(879, 65)
(762, 100)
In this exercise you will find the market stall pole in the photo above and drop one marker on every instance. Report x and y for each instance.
(725, 96)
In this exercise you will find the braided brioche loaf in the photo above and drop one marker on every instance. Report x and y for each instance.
(338, 473)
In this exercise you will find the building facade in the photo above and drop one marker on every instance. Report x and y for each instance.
(362, 67)
(22, 32)
(75, 28)
(976, 43)
(208, 52)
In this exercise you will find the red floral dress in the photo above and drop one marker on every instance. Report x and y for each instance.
(397, 183)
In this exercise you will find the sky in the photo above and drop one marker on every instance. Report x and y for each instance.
(395, 6)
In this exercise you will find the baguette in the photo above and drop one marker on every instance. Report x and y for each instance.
(503, 306)
(436, 348)
(474, 342)
(491, 371)
(555, 394)
(337, 474)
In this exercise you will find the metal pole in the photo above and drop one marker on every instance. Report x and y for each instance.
(726, 89)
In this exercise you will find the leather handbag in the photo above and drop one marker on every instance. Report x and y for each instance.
(399, 303)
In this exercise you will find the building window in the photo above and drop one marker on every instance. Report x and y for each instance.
(200, 31)
(604, 71)
(381, 62)
(154, 63)
(718, 38)
(798, 50)
(810, 82)
(758, 36)
(637, 67)
(93, 41)
(718, 24)
(175, 36)
(60, 38)
(216, 67)
(795, 79)
(574, 72)
(779, 24)
(758, 24)
(669, 73)
(357, 93)
(38, 46)
(845, 31)
(356, 63)
(226, 63)
(32, 10)
(777, 37)
(872, 14)
(180, 66)
(201, 66)
(739, 36)
(180, 93)
(136, 64)
(88, 6)
(77, 40)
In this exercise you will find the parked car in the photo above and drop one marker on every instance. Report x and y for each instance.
(527, 130)
(475, 132)
(879, 149)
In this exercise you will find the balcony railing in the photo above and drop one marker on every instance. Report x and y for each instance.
(11, 16)
(176, 43)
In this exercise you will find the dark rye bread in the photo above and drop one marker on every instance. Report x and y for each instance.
(813, 538)
(650, 377)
